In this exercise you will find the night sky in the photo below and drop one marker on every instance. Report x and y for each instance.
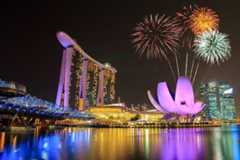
(31, 54)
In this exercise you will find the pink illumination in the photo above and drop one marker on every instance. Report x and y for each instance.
(184, 98)
(65, 40)
(69, 53)
(154, 102)
(61, 80)
(100, 97)
(71, 47)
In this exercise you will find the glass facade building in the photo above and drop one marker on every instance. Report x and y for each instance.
(219, 97)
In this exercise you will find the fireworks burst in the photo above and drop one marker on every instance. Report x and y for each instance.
(213, 47)
(184, 20)
(185, 14)
(203, 19)
(156, 36)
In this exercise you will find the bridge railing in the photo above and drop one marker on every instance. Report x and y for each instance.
(36, 107)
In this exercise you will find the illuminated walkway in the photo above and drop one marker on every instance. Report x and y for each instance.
(15, 101)
(32, 106)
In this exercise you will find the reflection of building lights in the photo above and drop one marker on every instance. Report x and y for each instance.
(146, 146)
(14, 142)
(45, 145)
(44, 155)
(59, 146)
(73, 137)
(217, 145)
(235, 144)
(2, 141)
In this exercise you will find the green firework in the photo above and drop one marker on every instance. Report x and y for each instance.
(212, 47)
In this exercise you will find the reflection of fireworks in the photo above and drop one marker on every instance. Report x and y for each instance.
(203, 19)
(156, 36)
(213, 47)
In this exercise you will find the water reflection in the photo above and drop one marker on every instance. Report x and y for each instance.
(183, 144)
(123, 144)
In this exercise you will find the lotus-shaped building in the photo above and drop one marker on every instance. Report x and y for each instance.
(183, 103)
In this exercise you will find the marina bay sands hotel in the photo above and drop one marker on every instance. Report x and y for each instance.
(83, 81)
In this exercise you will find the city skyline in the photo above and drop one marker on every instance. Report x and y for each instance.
(32, 54)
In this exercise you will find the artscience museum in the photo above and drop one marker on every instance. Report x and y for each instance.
(183, 103)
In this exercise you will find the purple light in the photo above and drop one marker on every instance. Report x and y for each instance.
(61, 80)
(154, 102)
(184, 98)
(65, 40)
(183, 144)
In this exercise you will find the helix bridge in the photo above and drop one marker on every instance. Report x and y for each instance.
(33, 106)
(16, 102)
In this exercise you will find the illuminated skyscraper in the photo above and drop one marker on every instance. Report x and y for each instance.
(219, 97)
(83, 81)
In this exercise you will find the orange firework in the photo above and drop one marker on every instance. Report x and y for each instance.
(203, 19)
